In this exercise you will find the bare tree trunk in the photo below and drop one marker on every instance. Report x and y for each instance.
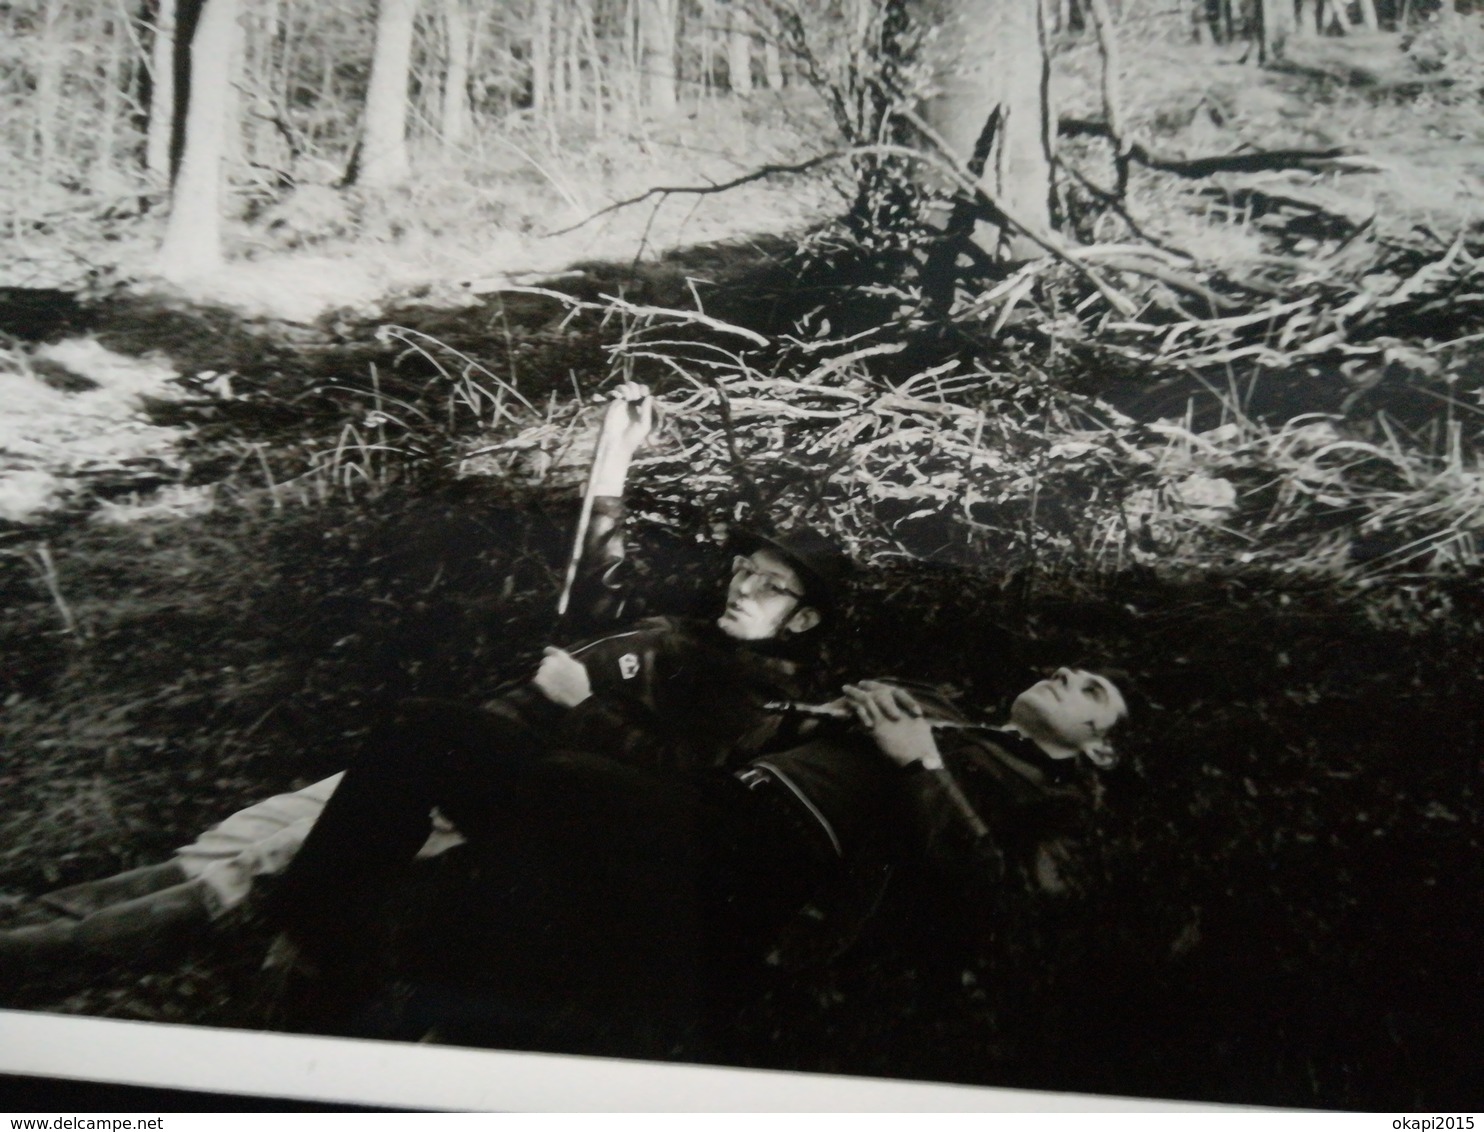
(658, 21)
(706, 40)
(384, 155)
(112, 37)
(477, 30)
(577, 54)
(1277, 18)
(455, 117)
(1102, 19)
(739, 49)
(629, 96)
(572, 55)
(1368, 18)
(161, 95)
(291, 50)
(326, 90)
(595, 67)
(265, 81)
(561, 71)
(233, 146)
(193, 235)
(772, 64)
(48, 116)
(1306, 24)
(541, 30)
(255, 39)
(990, 104)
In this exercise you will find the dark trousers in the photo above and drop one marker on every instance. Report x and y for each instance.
(464, 761)
(628, 890)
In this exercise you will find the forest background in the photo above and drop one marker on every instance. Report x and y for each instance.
(1143, 332)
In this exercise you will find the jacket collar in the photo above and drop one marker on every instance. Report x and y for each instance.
(1026, 750)
(786, 654)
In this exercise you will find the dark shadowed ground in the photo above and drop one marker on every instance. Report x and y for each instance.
(1280, 903)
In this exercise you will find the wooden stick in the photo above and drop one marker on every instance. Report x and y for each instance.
(48, 571)
(584, 520)
(831, 711)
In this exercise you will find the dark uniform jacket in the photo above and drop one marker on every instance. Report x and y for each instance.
(999, 809)
(667, 692)
(997, 794)
(1038, 807)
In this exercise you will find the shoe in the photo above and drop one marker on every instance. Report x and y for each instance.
(82, 900)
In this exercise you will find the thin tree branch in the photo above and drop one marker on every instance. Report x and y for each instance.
(761, 173)
(1047, 241)
(1176, 279)
(1260, 162)
(1112, 201)
(46, 567)
(739, 467)
(941, 159)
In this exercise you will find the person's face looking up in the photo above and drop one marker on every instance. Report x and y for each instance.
(765, 599)
(1070, 713)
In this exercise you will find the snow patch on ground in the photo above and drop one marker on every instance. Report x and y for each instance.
(26, 492)
(50, 440)
(292, 288)
(428, 265)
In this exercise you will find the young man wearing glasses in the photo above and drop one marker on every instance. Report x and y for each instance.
(668, 693)
(671, 694)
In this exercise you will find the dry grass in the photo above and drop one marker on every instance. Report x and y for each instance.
(976, 463)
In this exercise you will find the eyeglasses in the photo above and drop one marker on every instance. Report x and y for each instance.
(768, 585)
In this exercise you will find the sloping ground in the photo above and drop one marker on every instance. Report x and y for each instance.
(515, 205)
(157, 390)
(1407, 108)
(1296, 838)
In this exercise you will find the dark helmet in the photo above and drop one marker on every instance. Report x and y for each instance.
(822, 566)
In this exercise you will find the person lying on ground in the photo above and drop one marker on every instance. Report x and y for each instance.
(668, 691)
(1035, 779)
(628, 888)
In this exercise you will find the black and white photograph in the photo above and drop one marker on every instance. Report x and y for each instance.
(915, 540)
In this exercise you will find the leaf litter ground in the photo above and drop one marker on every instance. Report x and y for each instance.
(1283, 907)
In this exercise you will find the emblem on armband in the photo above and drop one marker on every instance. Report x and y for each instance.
(628, 665)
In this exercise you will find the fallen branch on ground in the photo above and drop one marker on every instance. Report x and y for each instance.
(1263, 161)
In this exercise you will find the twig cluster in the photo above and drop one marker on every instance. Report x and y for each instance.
(1002, 468)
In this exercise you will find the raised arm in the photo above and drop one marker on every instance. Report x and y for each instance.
(597, 594)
